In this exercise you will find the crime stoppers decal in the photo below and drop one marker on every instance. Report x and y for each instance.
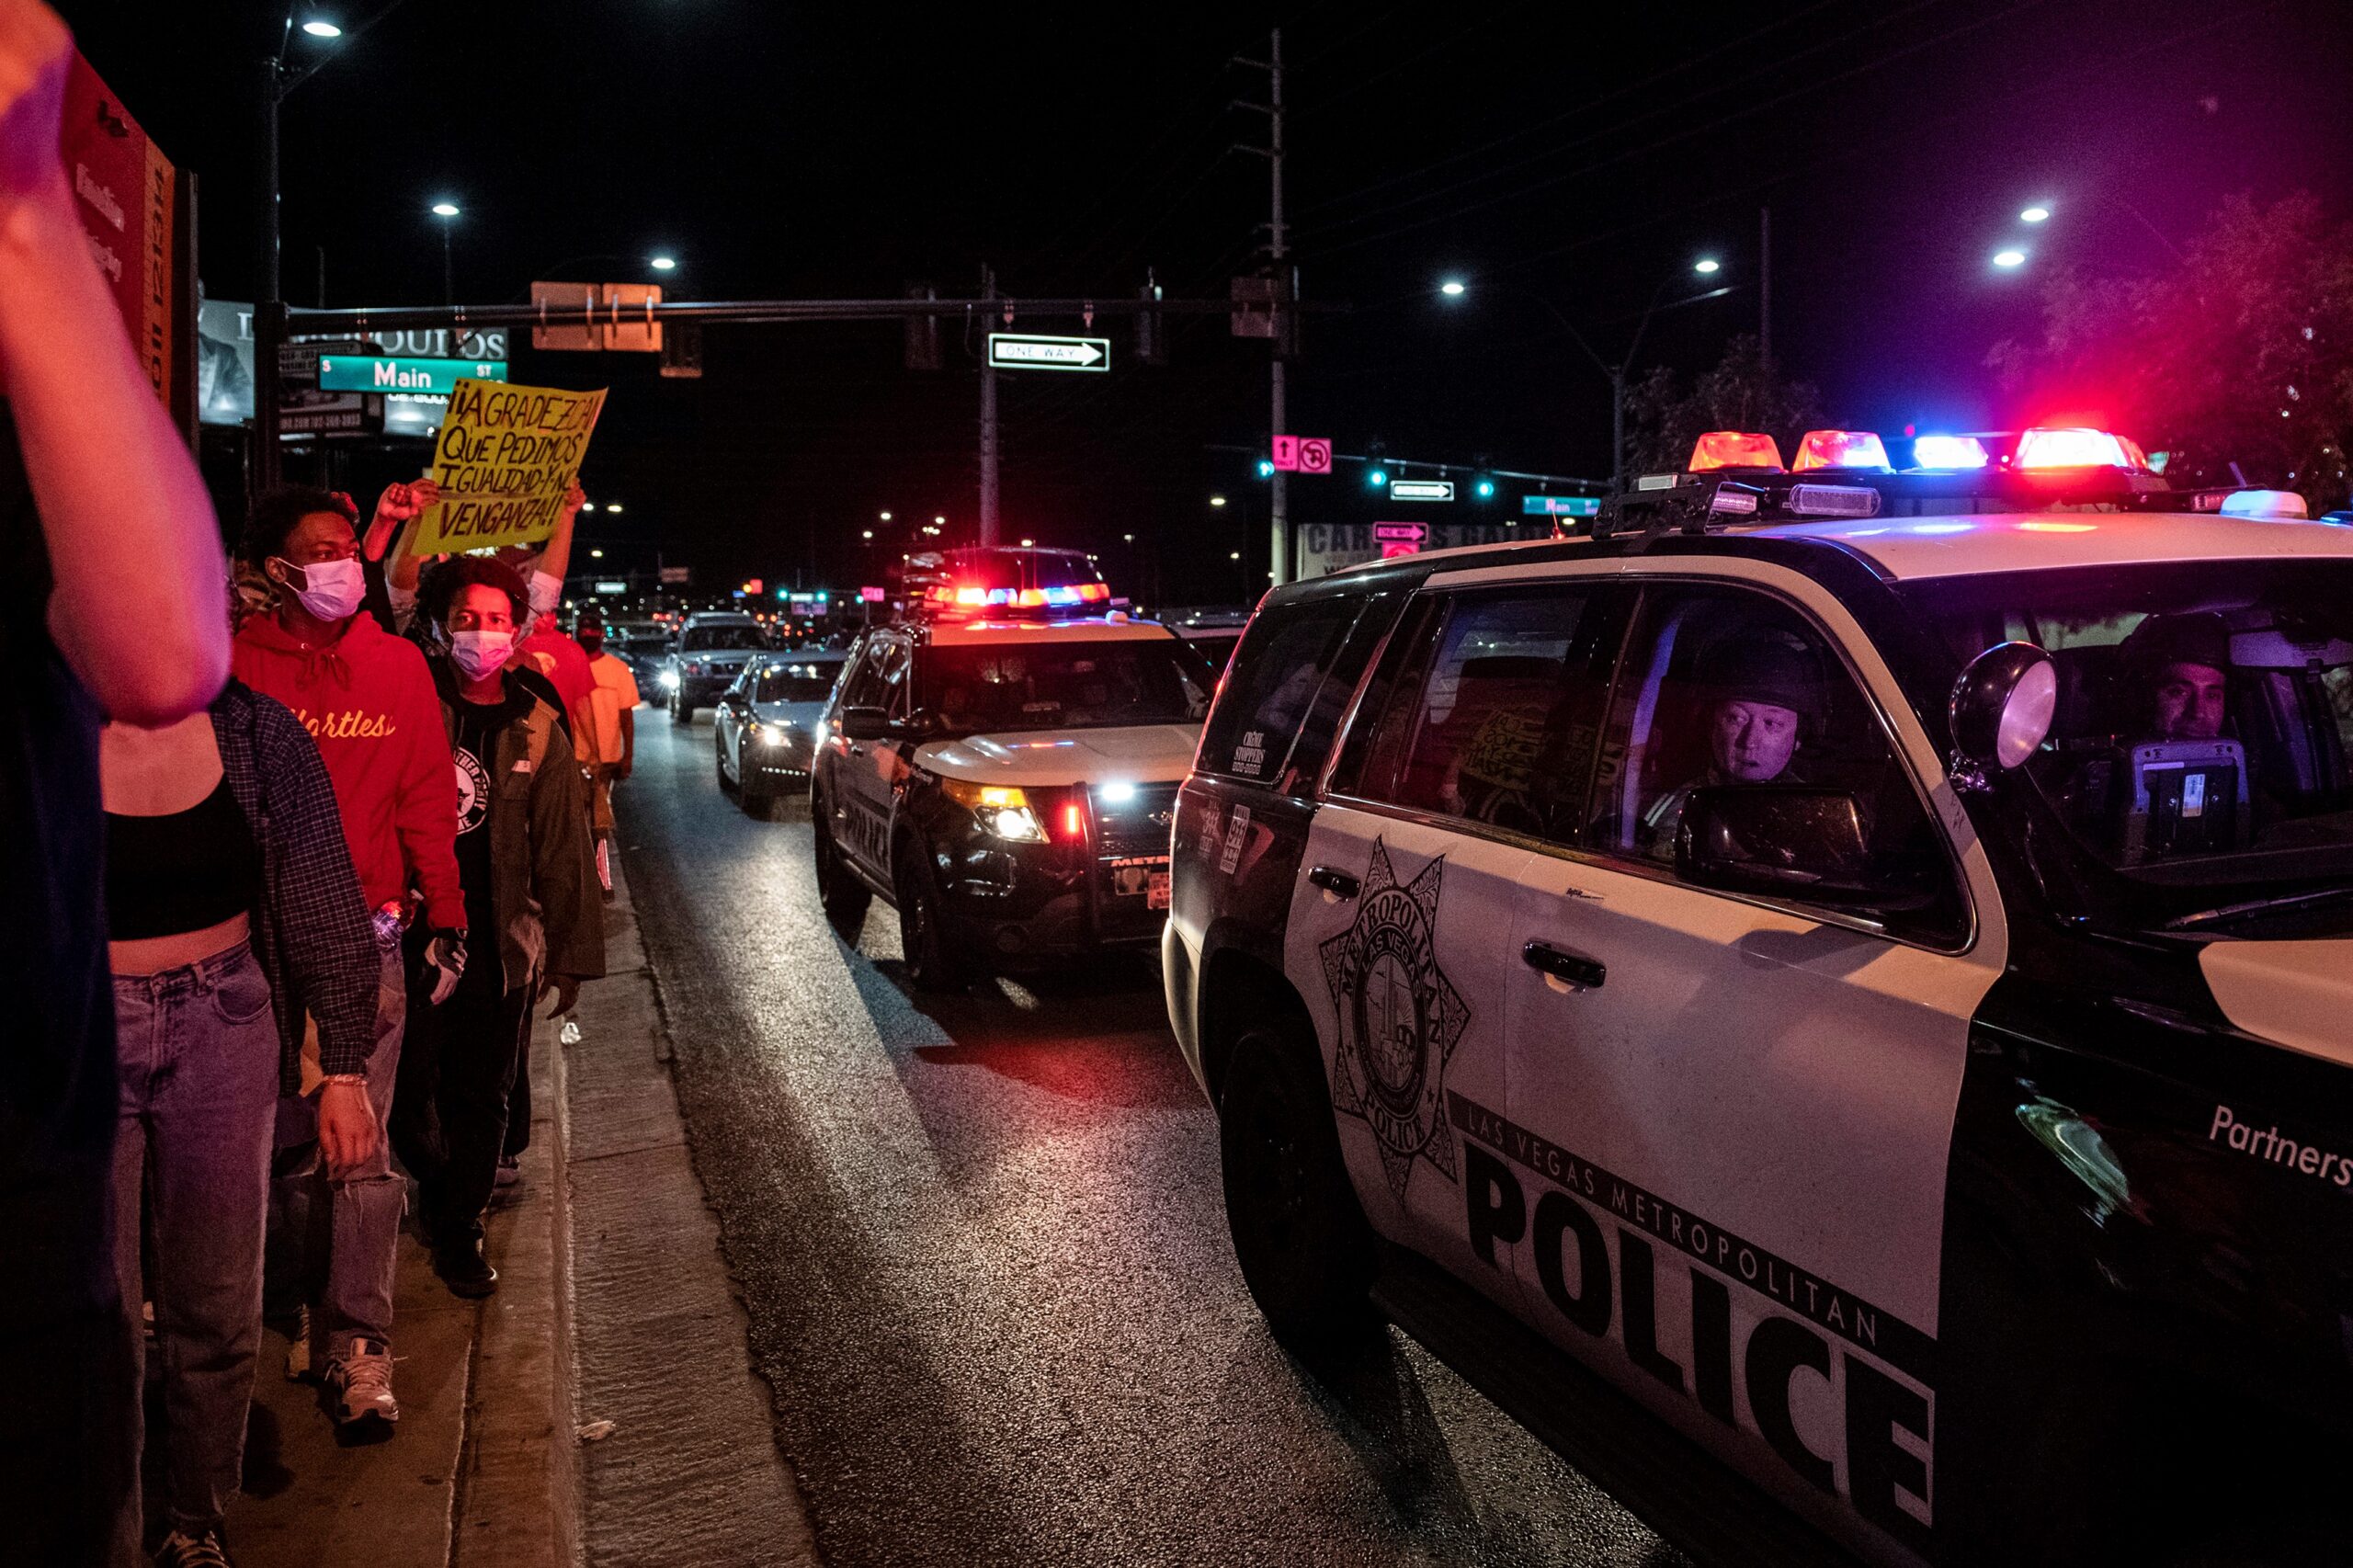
(1400, 1020)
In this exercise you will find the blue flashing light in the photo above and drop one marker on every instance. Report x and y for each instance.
(1486, 487)
(1377, 478)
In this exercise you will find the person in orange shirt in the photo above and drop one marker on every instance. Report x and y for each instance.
(607, 742)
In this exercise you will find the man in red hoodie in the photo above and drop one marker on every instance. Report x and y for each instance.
(368, 702)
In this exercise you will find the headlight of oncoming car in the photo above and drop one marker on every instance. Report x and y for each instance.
(669, 679)
(775, 734)
(1000, 809)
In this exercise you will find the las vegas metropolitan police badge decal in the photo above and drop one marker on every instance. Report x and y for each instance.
(1400, 1020)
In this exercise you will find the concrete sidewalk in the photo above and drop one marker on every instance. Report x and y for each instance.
(615, 1317)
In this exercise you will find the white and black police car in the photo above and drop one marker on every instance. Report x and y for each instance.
(1003, 767)
(1861, 962)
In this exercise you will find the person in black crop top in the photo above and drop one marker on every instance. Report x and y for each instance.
(233, 909)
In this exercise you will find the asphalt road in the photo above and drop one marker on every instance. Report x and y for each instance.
(985, 1263)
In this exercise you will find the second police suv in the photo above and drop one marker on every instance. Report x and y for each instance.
(1002, 768)
(1861, 962)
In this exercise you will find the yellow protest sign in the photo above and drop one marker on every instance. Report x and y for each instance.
(505, 458)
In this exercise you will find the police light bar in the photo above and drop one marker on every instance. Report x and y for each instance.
(1948, 452)
(2069, 447)
(1734, 449)
(1840, 448)
(1833, 500)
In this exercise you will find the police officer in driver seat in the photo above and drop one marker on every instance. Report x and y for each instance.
(2177, 665)
(1762, 688)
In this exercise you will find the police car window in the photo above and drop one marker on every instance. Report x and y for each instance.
(2205, 715)
(1728, 689)
(1492, 714)
(1066, 686)
(1275, 675)
(864, 687)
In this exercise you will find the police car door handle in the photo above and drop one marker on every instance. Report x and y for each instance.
(1576, 973)
(1339, 885)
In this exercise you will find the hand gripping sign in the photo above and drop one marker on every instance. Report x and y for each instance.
(503, 460)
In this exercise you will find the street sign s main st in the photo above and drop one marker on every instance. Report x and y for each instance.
(1031, 351)
(342, 372)
(1560, 505)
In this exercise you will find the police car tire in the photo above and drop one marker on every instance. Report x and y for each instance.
(1305, 1250)
(719, 761)
(933, 962)
(843, 897)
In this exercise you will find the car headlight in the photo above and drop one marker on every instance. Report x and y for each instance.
(774, 735)
(668, 680)
(999, 808)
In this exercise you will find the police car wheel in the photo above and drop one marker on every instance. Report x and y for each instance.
(843, 897)
(1305, 1251)
(933, 962)
(719, 761)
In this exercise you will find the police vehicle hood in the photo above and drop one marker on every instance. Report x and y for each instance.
(2297, 992)
(1140, 753)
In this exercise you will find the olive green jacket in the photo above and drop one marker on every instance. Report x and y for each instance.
(549, 905)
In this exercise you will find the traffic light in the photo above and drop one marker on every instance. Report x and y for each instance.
(923, 331)
(1151, 342)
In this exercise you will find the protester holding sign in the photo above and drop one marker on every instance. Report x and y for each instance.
(530, 892)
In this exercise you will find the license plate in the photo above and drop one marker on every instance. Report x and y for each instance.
(1156, 892)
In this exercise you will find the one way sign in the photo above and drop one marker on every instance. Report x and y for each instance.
(1026, 351)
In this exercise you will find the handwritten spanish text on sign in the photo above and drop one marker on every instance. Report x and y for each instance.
(505, 458)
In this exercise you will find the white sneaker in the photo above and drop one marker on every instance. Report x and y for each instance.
(361, 1381)
(297, 1346)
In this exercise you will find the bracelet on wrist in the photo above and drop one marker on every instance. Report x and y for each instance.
(360, 1079)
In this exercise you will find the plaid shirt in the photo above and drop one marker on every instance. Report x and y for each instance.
(312, 931)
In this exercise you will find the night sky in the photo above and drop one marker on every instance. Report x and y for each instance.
(797, 151)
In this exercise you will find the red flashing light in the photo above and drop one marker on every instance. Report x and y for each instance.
(1734, 449)
(1073, 821)
(1841, 448)
(2074, 446)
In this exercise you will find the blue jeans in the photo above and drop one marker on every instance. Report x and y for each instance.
(198, 1053)
(340, 1237)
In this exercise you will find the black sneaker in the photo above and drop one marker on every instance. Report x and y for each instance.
(203, 1550)
(465, 1270)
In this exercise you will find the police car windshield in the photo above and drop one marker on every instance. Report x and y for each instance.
(2204, 730)
(722, 637)
(1064, 686)
(797, 683)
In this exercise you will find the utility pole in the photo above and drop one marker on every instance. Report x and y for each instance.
(1284, 320)
(1279, 525)
(988, 419)
(268, 319)
(1765, 286)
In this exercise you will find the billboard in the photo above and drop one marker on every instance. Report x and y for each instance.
(123, 195)
(1327, 547)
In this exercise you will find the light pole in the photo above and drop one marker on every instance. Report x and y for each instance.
(1706, 266)
(446, 211)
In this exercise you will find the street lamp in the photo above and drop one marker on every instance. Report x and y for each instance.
(868, 533)
(2009, 258)
(446, 210)
(269, 329)
(2035, 214)
(319, 27)
(884, 515)
(1706, 266)
(663, 263)
(1217, 500)
(612, 506)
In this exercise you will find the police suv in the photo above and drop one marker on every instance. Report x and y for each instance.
(1861, 962)
(1003, 770)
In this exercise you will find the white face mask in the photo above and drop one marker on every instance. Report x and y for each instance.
(476, 654)
(330, 590)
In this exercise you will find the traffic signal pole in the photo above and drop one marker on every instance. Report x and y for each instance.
(1279, 514)
(988, 424)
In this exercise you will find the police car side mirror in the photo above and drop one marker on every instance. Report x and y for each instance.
(1785, 841)
(864, 724)
(2001, 710)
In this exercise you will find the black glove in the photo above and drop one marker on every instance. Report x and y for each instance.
(445, 955)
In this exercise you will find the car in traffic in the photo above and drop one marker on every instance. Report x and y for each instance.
(1005, 782)
(1857, 966)
(709, 651)
(764, 728)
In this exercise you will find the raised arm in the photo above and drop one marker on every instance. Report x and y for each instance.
(138, 605)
